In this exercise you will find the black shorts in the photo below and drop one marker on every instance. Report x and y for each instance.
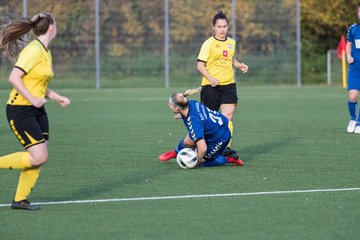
(213, 97)
(29, 124)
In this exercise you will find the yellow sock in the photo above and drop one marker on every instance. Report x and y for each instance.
(231, 127)
(19, 160)
(27, 180)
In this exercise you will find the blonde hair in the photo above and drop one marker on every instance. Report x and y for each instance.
(12, 33)
(181, 100)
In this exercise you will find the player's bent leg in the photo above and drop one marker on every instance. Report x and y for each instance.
(19, 160)
(29, 177)
(222, 160)
(184, 143)
(218, 155)
(38, 154)
(219, 161)
(27, 181)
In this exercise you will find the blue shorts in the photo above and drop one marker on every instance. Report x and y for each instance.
(354, 79)
(214, 149)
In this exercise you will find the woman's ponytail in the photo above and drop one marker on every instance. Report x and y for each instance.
(12, 33)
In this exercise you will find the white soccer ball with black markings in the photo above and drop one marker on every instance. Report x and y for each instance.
(187, 158)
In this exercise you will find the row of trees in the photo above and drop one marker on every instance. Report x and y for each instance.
(322, 24)
(263, 27)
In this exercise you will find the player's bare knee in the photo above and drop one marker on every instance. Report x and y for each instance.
(188, 142)
(38, 159)
(353, 97)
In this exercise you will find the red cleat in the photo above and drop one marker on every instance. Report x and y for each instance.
(234, 160)
(167, 156)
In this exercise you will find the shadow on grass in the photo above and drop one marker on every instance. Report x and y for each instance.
(106, 185)
(251, 153)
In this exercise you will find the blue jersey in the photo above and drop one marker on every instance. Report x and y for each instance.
(203, 123)
(353, 36)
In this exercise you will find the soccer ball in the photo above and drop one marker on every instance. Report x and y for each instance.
(187, 158)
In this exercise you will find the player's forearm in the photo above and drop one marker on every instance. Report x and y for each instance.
(348, 49)
(201, 150)
(52, 94)
(201, 156)
(236, 63)
(61, 100)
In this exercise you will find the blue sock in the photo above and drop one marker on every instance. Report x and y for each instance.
(352, 110)
(219, 161)
(180, 146)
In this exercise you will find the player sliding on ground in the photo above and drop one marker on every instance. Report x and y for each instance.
(208, 132)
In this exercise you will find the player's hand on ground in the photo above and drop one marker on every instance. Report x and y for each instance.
(213, 82)
(199, 162)
(350, 59)
(243, 67)
(63, 101)
(38, 102)
(178, 116)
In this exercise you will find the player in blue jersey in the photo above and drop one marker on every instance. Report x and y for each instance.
(353, 58)
(208, 132)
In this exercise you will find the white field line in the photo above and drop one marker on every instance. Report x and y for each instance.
(193, 196)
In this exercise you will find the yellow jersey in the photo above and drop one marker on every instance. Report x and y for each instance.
(36, 62)
(218, 58)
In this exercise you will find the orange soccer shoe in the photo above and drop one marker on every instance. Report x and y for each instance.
(167, 156)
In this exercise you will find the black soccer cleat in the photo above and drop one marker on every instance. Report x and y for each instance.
(230, 153)
(24, 205)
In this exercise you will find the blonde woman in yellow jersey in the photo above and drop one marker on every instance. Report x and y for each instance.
(216, 63)
(25, 108)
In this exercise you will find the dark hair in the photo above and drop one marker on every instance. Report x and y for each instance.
(220, 15)
(180, 100)
(42, 21)
(12, 33)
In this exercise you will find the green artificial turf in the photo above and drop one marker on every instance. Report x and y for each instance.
(106, 144)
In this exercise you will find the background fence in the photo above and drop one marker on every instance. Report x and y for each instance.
(132, 45)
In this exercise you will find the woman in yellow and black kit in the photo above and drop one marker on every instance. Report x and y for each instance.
(216, 64)
(25, 108)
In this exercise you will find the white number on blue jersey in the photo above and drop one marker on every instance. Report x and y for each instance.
(214, 118)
